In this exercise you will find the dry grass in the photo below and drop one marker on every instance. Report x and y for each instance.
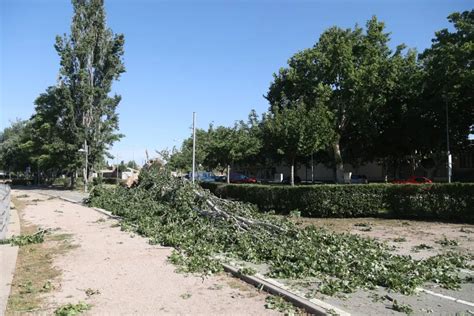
(34, 272)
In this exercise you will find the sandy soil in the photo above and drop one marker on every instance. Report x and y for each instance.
(405, 235)
(132, 276)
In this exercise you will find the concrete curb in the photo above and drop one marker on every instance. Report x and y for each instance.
(100, 210)
(311, 307)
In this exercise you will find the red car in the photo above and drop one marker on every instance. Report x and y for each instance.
(240, 178)
(413, 180)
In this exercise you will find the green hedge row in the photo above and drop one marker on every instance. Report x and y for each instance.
(436, 201)
(454, 202)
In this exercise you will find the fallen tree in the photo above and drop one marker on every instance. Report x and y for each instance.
(203, 228)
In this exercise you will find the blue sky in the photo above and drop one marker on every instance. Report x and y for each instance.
(213, 57)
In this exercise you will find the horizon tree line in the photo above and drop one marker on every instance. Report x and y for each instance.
(347, 99)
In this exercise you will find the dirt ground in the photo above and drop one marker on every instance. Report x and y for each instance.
(406, 236)
(119, 273)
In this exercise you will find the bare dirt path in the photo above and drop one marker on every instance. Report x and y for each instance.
(125, 275)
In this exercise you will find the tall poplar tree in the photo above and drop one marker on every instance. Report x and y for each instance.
(91, 60)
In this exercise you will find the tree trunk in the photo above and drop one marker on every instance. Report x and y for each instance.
(228, 173)
(73, 181)
(397, 169)
(338, 163)
(292, 178)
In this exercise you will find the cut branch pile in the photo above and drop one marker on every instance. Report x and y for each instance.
(204, 228)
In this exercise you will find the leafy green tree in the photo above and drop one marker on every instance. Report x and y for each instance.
(91, 60)
(298, 131)
(182, 159)
(230, 145)
(449, 85)
(132, 164)
(350, 70)
(396, 124)
(54, 147)
(15, 146)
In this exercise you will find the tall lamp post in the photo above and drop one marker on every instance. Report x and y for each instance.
(450, 158)
(85, 150)
(194, 146)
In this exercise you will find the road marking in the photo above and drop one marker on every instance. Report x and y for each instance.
(450, 298)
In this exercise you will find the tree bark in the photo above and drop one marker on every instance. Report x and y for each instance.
(338, 163)
(73, 181)
(228, 173)
(292, 179)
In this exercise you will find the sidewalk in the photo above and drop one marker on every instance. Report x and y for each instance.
(132, 276)
(8, 256)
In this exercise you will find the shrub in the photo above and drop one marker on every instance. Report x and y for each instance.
(310, 201)
(453, 202)
(441, 201)
(22, 181)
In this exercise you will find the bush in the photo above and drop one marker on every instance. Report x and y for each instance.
(310, 201)
(435, 201)
(22, 181)
(453, 202)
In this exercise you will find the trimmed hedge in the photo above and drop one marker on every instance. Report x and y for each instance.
(436, 201)
(454, 202)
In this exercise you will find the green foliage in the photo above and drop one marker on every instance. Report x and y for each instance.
(349, 71)
(72, 309)
(400, 239)
(278, 303)
(419, 247)
(439, 201)
(170, 213)
(15, 146)
(434, 201)
(402, 308)
(182, 159)
(218, 147)
(445, 242)
(298, 131)
(311, 201)
(229, 145)
(23, 240)
(448, 82)
(247, 271)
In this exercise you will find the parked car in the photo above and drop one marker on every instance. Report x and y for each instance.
(359, 179)
(202, 176)
(240, 178)
(221, 178)
(413, 180)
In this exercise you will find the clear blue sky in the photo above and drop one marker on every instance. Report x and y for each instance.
(213, 57)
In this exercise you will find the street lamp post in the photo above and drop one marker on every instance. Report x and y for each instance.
(194, 146)
(450, 159)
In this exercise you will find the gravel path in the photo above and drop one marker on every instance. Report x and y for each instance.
(132, 276)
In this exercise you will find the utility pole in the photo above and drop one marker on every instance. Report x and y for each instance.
(117, 170)
(450, 159)
(194, 146)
